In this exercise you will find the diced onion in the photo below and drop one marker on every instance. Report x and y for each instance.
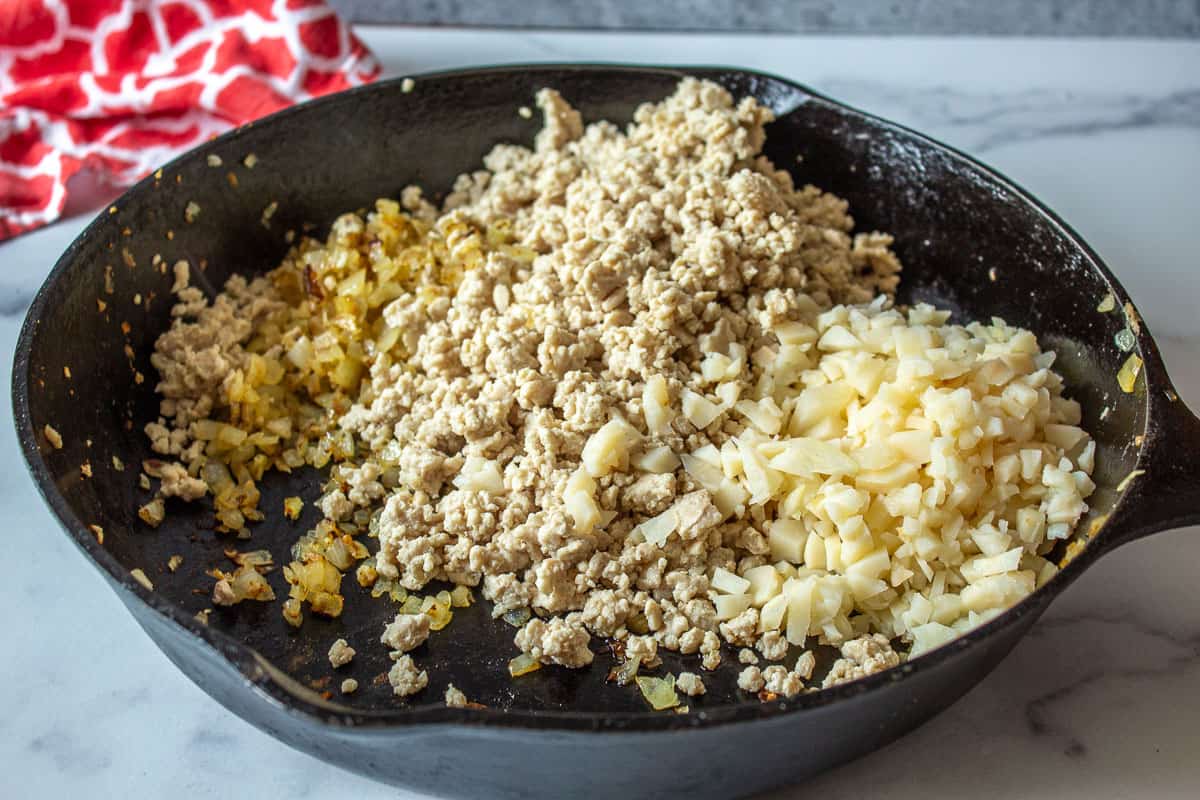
(659, 692)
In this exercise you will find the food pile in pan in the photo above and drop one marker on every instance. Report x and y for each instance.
(630, 384)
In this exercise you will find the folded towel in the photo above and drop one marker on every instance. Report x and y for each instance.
(119, 87)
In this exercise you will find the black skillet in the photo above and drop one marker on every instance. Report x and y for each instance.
(970, 240)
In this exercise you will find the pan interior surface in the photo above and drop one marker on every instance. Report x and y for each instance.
(968, 240)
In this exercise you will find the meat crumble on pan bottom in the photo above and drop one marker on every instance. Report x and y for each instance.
(631, 384)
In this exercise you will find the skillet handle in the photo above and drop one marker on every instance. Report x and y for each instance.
(1167, 494)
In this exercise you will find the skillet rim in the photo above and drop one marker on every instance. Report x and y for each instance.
(275, 687)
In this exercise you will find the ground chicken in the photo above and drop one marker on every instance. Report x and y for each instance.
(406, 632)
(690, 641)
(690, 684)
(177, 483)
(696, 515)
(710, 651)
(555, 642)
(805, 665)
(649, 494)
(861, 657)
(455, 698)
(742, 630)
(605, 611)
(508, 592)
(335, 505)
(779, 680)
(203, 346)
(645, 648)
(772, 645)
(340, 653)
(405, 678)
(750, 679)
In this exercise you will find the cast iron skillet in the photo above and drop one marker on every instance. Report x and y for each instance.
(970, 240)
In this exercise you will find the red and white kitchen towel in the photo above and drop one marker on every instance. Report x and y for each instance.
(118, 87)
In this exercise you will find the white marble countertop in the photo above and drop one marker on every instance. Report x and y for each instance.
(1100, 702)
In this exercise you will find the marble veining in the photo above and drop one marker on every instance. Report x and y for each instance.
(997, 119)
(1173, 653)
(1101, 701)
(946, 17)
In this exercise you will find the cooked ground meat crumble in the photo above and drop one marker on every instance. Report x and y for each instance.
(406, 678)
(455, 698)
(690, 684)
(340, 653)
(406, 632)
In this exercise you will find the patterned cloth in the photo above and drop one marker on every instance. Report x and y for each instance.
(118, 87)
